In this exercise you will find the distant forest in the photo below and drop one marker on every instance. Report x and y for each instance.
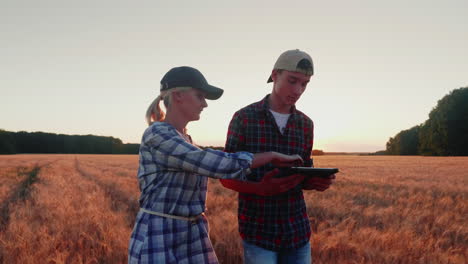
(445, 133)
(39, 142)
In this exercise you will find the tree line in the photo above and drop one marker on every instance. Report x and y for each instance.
(40, 142)
(444, 133)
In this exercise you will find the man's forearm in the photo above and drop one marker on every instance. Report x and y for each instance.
(240, 186)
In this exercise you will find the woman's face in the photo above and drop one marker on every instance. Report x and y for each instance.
(192, 103)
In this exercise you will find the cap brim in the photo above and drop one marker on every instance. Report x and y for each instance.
(212, 92)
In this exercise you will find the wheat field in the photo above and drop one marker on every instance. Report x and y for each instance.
(381, 209)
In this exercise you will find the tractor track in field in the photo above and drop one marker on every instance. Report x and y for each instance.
(20, 192)
(119, 201)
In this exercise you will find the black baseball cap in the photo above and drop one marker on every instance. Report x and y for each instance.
(186, 76)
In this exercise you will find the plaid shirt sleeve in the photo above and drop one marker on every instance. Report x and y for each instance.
(308, 161)
(235, 137)
(170, 151)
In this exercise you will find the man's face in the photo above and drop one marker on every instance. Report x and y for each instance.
(289, 86)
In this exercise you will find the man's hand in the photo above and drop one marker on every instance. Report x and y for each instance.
(267, 187)
(270, 186)
(318, 184)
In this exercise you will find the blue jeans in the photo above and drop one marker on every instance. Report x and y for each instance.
(258, 255)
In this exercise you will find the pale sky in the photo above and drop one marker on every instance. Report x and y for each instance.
(93, 67)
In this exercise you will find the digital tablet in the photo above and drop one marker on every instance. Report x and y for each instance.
(307, 171)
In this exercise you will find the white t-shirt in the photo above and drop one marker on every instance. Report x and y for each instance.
(281, 120)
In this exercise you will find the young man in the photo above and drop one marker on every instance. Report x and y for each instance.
(275, 229)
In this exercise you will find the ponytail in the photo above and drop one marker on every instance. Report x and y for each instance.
(154, 112)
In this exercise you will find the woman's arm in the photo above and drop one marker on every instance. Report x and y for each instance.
(168, 149)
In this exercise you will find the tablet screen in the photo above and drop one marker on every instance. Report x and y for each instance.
(307, 171)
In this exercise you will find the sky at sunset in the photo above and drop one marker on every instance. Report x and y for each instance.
(93, 67)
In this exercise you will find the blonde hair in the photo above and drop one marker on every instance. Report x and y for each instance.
(154, 112)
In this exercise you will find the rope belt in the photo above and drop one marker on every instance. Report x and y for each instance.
(192, 219)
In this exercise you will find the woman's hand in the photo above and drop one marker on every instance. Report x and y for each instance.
(282, 160)
(278, 159)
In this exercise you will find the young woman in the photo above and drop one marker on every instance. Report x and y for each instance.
(173, 173)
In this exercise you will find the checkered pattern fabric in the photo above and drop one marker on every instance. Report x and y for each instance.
(278, 222)
(173, 180)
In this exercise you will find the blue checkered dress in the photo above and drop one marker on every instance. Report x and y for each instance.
(173, 176)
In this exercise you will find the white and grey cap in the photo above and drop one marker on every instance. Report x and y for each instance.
(294, 61)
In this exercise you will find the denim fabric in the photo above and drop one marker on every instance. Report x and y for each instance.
(258, 255)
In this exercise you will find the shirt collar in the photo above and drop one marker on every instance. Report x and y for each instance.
(264, 105)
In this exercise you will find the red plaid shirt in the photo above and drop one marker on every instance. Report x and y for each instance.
(276, 222)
